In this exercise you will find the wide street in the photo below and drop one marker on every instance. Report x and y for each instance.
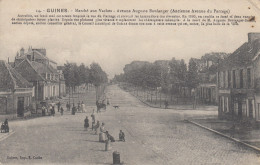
(153, 136)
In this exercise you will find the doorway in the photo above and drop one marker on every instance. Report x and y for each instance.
(20, 107)
(250, 108)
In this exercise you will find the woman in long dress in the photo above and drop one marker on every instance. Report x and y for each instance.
(86, 123)
(102, 135)
(97, 128)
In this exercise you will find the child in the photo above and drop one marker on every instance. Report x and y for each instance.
(121, 136)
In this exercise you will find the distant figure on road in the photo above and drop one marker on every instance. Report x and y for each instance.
(79, 106)
(58, 105)
(74, 109)
(61, 110)
(52, 110)
(96, 127)
(109, 137)
(102, 134)
(121, 136)
(233, 130)
(166, 104)
(108, 102)
(43, 110)
(86, 123)
(6, 126)
(102, 128)
(68, 106)
(93, 120)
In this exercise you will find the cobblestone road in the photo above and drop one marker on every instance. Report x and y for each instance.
(153, 136)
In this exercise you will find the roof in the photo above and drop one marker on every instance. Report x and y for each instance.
(10, 78)
(26, 69)
(42, 68)
(245, 55)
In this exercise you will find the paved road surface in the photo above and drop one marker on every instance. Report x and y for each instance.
(153, 136)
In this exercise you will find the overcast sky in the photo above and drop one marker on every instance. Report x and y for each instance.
(113, 47)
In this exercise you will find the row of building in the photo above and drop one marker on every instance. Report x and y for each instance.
(232, 81)
(30, 79)
(238, 82)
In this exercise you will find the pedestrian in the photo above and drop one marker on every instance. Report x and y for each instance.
(109, 137)
(93, 120)
(79, 106)
(108, 102)
(53, 110)
(61, 111)
(2, 127)
(73, 111)
(96, 127)
(58, 105)
(166, 104)
(68, 106)
(233, 130)
(82, 107)
(121, 136)
(86, 123)
(43, 110)
(6, 125)
(102, 134)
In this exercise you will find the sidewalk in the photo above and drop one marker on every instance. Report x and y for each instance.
(3, 136)
(245, 134)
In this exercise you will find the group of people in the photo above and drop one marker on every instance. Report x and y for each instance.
(80, 107)
(101, 131)
(5, 126)
(52, 109)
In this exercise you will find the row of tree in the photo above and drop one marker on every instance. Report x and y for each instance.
(77, 75)
(168, 75)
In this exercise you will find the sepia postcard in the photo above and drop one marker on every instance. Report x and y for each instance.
(147, 82)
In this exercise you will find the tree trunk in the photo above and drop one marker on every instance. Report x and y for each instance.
(151, 96)
(160, 98)
(156, 96)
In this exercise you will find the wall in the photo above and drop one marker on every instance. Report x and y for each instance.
(257, 87)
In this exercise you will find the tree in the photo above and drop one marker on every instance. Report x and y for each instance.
(97, 76)
(192, 76)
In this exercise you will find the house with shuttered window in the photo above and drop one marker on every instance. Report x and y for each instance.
(238, 81)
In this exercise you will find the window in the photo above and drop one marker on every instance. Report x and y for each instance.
(249, 78)
(219, 79)
(229, 79)
(234, 79)
(241, 78)
(224, 79)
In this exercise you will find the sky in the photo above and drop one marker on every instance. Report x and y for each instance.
(114, 47)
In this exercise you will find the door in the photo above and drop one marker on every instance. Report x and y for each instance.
(250, 108)
(20, 107)
(240, 108)
(209, 95)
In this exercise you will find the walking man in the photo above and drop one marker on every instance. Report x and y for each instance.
(93, 119)
(68, 106)
(61, 111)
(58, 105)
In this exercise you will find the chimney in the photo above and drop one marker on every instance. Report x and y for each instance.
(22, 52)
(252, 37)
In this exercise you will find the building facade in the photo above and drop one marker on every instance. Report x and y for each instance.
(238, 82)
(207, 92)
(15, 92)
(42, 72)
